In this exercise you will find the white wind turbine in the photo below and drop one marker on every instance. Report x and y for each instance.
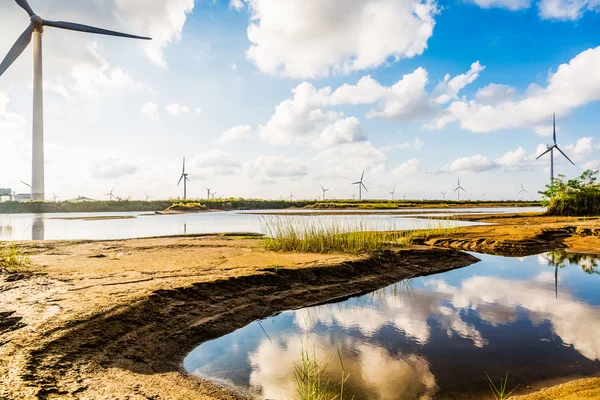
(110, 195)
(522, 191)
(443, 195)
(208, 192)
(393, 193)
(361, 185)
(324, 191)
(35, 31)
(459, 188)
(291, 198)
(550, 149)
(184, 177)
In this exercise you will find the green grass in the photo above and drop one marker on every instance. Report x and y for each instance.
(311, 380)
(12, 259)
(188, 206)
(500, 391)
(309, 236)
(6, 229)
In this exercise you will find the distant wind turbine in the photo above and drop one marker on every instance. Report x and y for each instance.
(361, 185)
(208, 192)
(184, 177)
(147, 197)
(110, 195)
(54, 197)
(35, 31)
(459, 188)
(213, 195)
(550, 149)
(443, 195)
(353, 197)
(324, 191)
(522, 191)
(291, 198)
(393, 193)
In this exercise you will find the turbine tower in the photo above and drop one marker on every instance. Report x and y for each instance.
(393, 193)
(361, 185)
(522, 191)
(324, 191)
(184, 177)
(550, 149)
(35, 31)
(208, 192)
(459, 188)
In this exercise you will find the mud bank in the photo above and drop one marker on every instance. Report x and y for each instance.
(115, 319)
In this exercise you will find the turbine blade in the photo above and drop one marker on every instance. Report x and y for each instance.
(25, 6)
(180, 180)
(455, 190)
(26, 184)
(554, 127)
(90, 29)
(17, 48)
(363, 185)
(561, 152)
(544, 153)
(362, 176)
(356, 183)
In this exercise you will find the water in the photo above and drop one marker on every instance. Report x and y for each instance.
(537, 318)
(57, 227)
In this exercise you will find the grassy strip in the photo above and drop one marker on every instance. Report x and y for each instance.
(286, 234)
(12, 259)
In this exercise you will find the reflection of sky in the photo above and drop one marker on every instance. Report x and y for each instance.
(498, 315)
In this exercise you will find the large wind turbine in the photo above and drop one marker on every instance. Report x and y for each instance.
(208, 192)
(324, 191)
(393, 193)
(459, 188)
(361, 185)
(35, 30)
(184, 177)
(550, 149)
(522, 191)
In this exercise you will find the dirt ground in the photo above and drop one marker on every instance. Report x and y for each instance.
(114, 319)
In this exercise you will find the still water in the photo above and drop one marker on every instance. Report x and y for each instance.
(72, 226)
(537, 318)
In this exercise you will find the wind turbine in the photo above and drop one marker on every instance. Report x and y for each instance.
(110, 195)
(522, 191)
(184, 177)
(35, 30)
(208, 193)
(361, 185)
(353, 197)
(54, 197)
(550, 149)
(443, 195)
(324, 191)
(393, 193)
(291, 198)
(147, 197)
(213, 195)
(459, 188)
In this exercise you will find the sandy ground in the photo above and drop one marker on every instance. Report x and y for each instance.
(114, 319)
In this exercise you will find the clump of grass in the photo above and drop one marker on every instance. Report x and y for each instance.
(310, 236)
(311, 380)
(188, 206)
(500, 391)
(12, 259)
(285, 234)
(6, 229)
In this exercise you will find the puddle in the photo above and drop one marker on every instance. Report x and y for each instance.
(537, 318)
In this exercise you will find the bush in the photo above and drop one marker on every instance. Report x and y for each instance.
(187, 207)
(575, 197)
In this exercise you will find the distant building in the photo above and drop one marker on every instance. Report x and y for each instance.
(23, 197)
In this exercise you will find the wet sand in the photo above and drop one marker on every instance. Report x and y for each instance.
(114, 319)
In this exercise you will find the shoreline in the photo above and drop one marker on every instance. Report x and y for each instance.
(115, 318)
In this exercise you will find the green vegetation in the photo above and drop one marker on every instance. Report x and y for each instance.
(188, 206)
(393, 205)
(12, 259)
(499, 391)
(574, 197)
(311, 382)
(306, 235)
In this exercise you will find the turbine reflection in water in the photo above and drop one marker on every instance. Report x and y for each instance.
(436, 334)
(37, 229)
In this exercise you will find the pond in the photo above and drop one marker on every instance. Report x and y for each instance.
(70, 226)
(536, 318)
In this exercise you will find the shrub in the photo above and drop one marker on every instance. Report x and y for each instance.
(575, 197)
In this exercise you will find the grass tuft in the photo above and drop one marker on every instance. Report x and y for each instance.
(12, 259)
(499, 391)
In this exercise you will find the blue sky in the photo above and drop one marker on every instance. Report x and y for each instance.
(216, 86)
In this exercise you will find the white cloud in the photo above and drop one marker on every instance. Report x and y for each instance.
(175, 109)
(508, 4)
(581, 149)
(215, 162)
(572, 85)
(268, 168)
(410, 167)
(517, 160)
(236, 4)
(494, 93)
(312, 38)
(111, 168)
(417, 144)
(593, 165)
(477, 163)
(350, 159)
(235, 133)
(449, 88)
(567, 9)
(150, 109)
(163, 20)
